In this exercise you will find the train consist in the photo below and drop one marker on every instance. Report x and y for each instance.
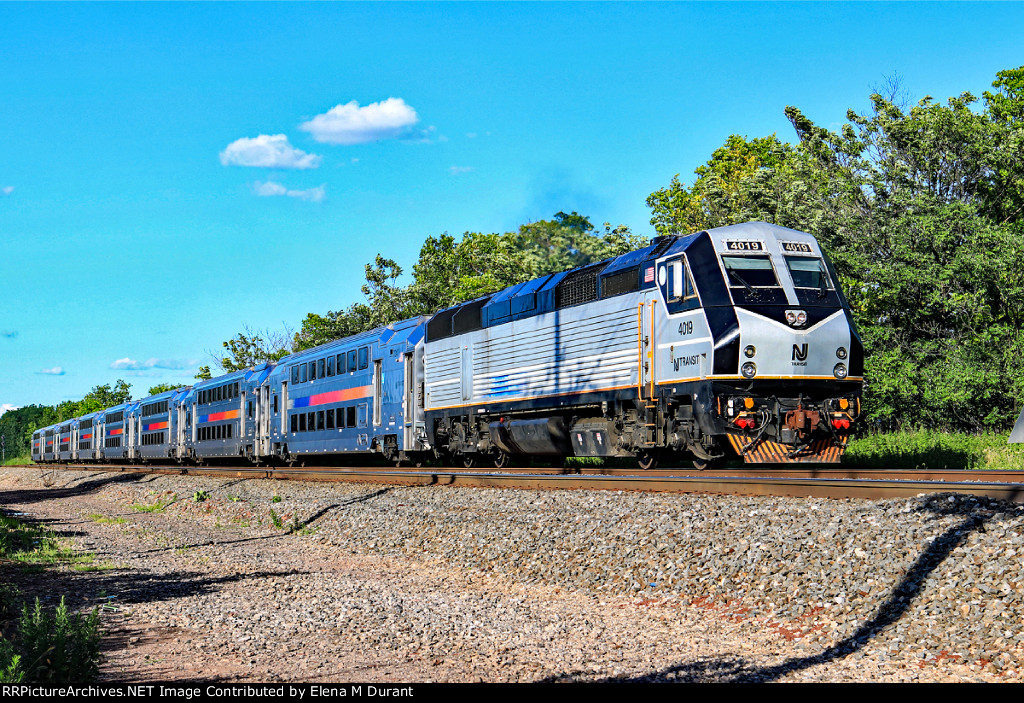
(731, 342)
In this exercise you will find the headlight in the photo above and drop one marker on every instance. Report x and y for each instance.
(749, 351)
(749, 370)
(841, 352)
(796, 318)
(839, 371)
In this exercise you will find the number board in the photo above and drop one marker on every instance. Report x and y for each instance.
(738, 245)
(802, 247)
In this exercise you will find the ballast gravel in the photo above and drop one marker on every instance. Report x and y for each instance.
(219, 579)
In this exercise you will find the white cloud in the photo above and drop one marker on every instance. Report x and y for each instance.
(350, 124)
(4, 407)
(456, 170)
(55, 371)
(267, 151)
(272, 188)
(7, 190)
(129, 364)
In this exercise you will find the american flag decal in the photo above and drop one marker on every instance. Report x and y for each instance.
(649, 274)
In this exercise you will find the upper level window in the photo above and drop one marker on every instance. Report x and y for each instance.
(364, 357)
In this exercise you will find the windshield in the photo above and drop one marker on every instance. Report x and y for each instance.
(750, 271)
(808, 272)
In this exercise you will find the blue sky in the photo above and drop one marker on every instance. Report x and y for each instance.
(173, 173)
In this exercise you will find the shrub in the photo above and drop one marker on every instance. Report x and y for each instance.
(58, 648)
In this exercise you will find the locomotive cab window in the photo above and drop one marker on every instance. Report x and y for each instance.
(679, 284)
(752, 279)
(752, 271)
(808, 272)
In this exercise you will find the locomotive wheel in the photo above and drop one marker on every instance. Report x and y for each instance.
(470, 461)
(501, 460)
(705, 464)
(647, 459)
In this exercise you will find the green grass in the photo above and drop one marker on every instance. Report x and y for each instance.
(18, 460)
(157, 506)
(102, 566)
(35, 546)
(101, 519)
(930, 449)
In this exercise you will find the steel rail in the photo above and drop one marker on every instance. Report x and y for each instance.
(1009, 486)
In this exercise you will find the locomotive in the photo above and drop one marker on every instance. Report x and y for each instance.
(733, 342)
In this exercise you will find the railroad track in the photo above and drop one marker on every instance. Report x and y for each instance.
(795, 482)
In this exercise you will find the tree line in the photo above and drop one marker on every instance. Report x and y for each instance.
(17, 426)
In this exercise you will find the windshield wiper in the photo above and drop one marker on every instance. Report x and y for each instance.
(753, 293)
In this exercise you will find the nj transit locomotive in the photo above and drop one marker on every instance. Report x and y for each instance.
(731, 342)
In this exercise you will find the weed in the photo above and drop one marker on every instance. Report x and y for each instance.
(276, 499)
(276, 519)
(157, 507)
(200, 496)
(8, 595)
(34, 546)
(101, 519)
(102, 566)
(234, 499)
(61, 648)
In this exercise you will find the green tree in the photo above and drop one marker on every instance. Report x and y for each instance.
(105, 396)
(451, 271)
(17, 427)
(163, 387)
(248, 349)
(920, 210)
(320, 329)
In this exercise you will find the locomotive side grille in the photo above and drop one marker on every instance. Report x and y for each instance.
(468, 318)
(622, 282)
(440, 325)
(579, 286)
